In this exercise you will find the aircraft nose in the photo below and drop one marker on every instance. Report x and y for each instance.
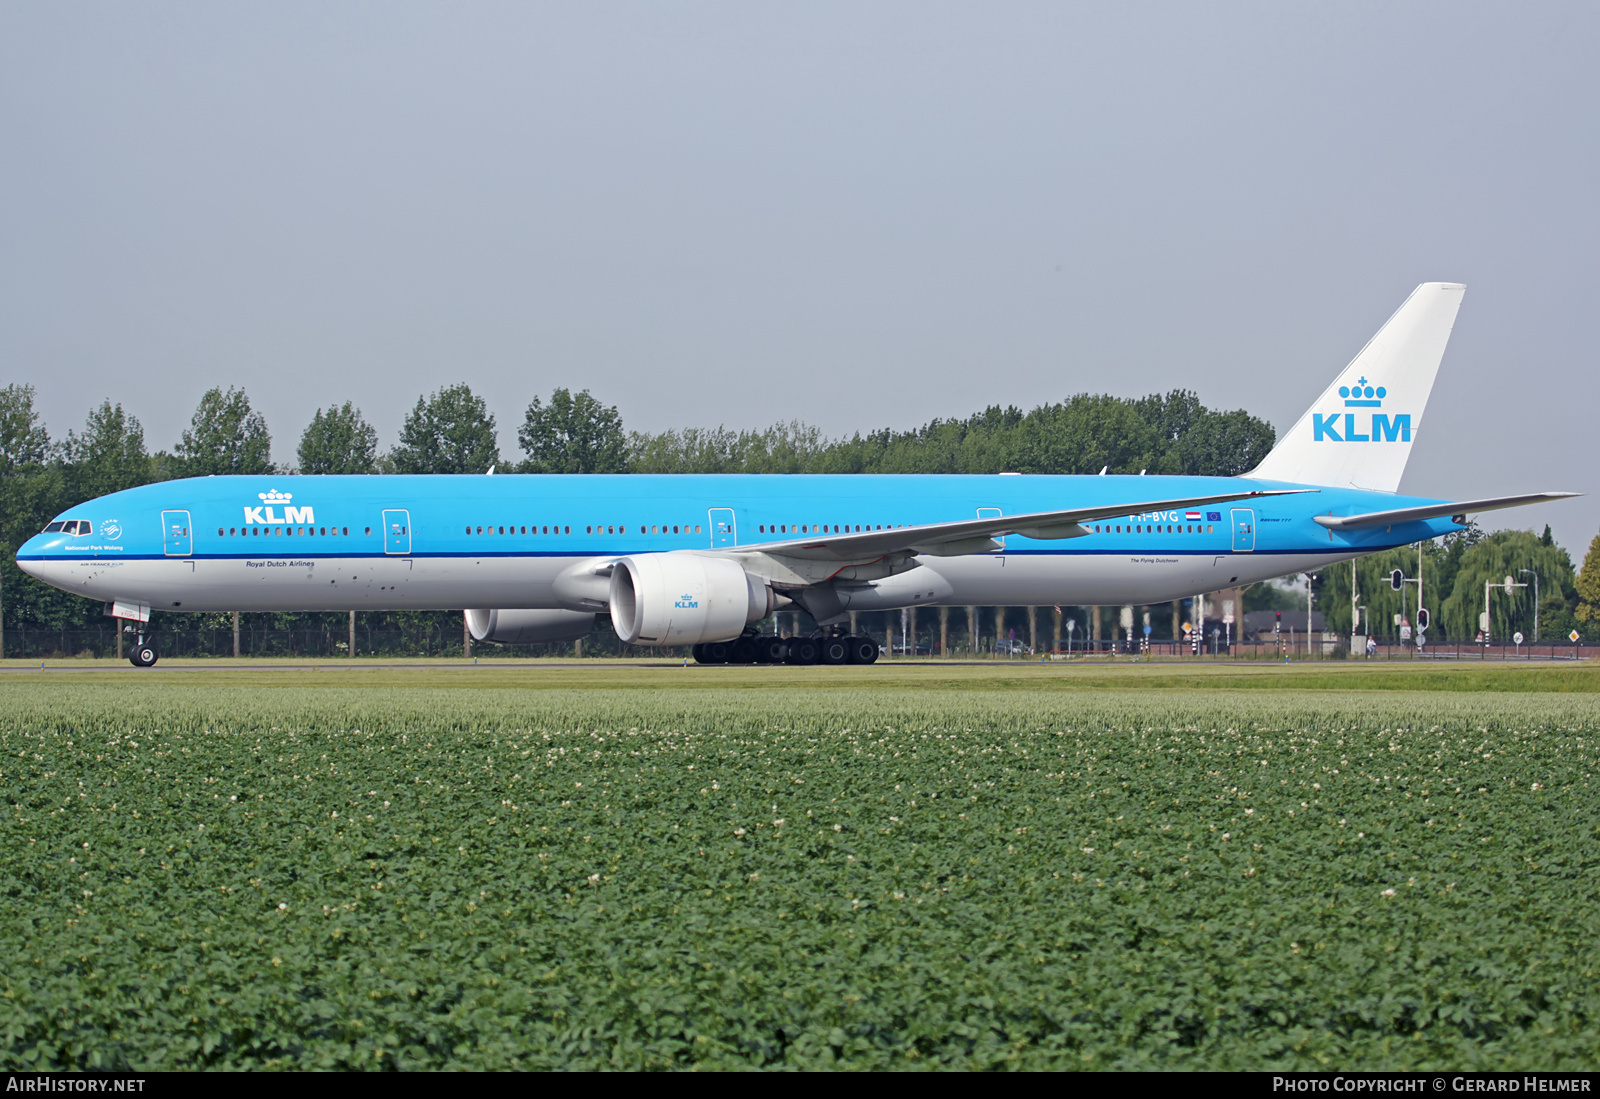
(28, 554)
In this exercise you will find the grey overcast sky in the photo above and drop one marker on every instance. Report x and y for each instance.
(854, 214)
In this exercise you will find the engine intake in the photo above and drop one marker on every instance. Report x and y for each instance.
(685, 599)
(528, 627)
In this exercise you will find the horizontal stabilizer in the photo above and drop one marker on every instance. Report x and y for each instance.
(1460, 508)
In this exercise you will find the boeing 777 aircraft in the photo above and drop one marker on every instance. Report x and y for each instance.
(699, 560)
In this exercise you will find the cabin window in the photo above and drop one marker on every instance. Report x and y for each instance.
(569, 530)
(369, 532)
(697, 528)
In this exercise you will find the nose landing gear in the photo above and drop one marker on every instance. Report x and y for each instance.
(144, 653)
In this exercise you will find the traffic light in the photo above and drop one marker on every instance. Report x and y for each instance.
(1397, 579)
(1422, 618)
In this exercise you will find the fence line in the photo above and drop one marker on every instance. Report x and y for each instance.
(325, 643)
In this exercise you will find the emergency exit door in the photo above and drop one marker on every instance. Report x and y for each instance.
(724, 535)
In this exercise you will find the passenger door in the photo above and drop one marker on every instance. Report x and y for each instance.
(176, 540)
(1244, 530)
(724, 535)
(396, 531)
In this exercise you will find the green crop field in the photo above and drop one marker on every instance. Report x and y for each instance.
(656, 868)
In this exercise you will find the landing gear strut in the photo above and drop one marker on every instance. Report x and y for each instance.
(144, 653)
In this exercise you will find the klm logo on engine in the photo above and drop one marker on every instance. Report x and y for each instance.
(1348, 427)
(267, 512)
(686, 603)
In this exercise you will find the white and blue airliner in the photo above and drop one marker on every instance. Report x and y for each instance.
(702, 559)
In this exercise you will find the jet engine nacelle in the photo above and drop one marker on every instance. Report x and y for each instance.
(528, 627)
(684, 599)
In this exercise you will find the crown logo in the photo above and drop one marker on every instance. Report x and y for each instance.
(273, 496)
(1362, 395)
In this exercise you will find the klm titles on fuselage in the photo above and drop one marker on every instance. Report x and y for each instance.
(1380, 429)
(263, 513)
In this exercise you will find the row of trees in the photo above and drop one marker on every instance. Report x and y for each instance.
(453, 431)
(1454, 570)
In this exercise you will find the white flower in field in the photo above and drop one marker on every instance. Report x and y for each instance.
(778, 823)
(1088, 850)
(1249, 812)
(1538, 786)
(283, 907)
(838, 828)
(738, 831)
(1387, 893)
(1227, 835)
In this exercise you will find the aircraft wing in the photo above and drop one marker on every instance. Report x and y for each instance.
(1433, 511)
(977, 535)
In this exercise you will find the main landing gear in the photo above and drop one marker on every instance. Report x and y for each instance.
(754, 648)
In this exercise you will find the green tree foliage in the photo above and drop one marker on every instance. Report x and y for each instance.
(783, 448)
(339, 441)
(31, 492)
(1453, 571)
(1495, 557)
(28, 486)
(1084, 434)
(107, 456)
(573, 435)
(225, 436)
(1587, 611)
(448, 432)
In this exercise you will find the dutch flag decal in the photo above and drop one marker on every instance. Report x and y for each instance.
(1192, 516)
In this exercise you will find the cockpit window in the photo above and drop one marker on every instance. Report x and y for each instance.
(55, 528)
(84, 527)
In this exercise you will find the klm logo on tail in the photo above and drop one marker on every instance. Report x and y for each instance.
(1344, 427)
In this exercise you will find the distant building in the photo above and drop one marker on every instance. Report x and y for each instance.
(1258, 624)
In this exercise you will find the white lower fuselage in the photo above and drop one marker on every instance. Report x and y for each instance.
(395, 583)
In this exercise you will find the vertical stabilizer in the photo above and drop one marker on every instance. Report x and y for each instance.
(1359, 432)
